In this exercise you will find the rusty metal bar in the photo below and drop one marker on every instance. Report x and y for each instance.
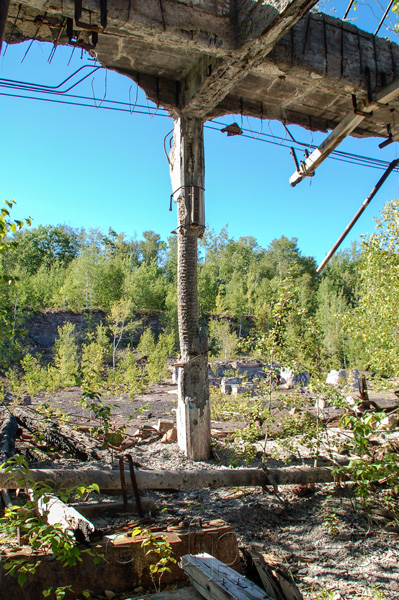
(348, 9)
(135, 486)
(361, 210)
(123, 481)
(383, 17)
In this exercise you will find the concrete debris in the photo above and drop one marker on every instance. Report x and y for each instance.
(170, 436)
(291, 379)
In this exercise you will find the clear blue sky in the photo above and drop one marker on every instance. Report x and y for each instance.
(89, 167)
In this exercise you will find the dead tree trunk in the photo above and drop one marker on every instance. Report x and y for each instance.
(61, 436)
(188, 174)
(8, 433)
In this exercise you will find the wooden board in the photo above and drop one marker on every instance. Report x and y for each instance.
(216, 581)
(186, 593)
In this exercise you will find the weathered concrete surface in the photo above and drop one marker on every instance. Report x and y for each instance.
(126, 565)
(206, 58)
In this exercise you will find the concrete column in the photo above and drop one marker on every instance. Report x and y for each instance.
(187, 175)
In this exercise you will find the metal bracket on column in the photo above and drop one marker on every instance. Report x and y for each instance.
(194, 199)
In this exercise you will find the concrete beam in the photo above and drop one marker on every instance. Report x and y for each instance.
(258, 27)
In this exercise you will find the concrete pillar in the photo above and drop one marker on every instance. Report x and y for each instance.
(187, 170)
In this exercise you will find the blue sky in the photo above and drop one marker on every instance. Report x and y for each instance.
(89, 167)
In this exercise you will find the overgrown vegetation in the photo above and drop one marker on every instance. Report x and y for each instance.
(265, 303)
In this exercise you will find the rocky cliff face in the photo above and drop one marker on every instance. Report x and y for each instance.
(42, 327)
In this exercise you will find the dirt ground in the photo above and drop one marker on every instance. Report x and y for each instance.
(333, 546)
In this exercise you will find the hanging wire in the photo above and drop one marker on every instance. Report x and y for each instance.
(148, 108)
(255, 137)
(164, 144)
(105, 90)
(70, 58)
(120, 106)
(131, 110)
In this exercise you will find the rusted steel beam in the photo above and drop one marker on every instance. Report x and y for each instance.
(361, 210)
(348, 124)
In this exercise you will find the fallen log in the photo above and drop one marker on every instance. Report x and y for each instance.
(61, 436)
(8, 433)
(166, 480)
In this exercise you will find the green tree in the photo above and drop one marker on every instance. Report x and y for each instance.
(8, 318)
(46, 245)
(146, 287)
(223, 340)
(375, 321)
(119, 324)
(66, 354)
(151, 248)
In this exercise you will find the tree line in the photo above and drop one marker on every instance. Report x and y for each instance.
(248, 295)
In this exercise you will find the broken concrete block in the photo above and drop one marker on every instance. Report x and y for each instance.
(290, 379)
(164, 426)
(337, 378)
(170, 436)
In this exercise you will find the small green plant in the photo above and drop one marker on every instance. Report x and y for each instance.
(325, 594)
(23, 523)
(66, 355)
(333, 522)
(94, 354)
(370, 468)
(223, 340)
(377, 593)
(157, 361)
(35, 375)
(147, 343)
(128, 377)
(160, 551)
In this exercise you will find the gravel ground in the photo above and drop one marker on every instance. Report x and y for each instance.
(333, 547)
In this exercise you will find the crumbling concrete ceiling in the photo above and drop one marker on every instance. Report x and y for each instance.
(213, 57)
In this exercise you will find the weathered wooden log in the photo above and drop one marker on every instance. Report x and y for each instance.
(8, 433)
(60, 436)
(180, 480)
(67, 517)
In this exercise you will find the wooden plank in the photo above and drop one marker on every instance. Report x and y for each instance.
(61, 436)
(343, 129)
(216, 581)
(275, 577)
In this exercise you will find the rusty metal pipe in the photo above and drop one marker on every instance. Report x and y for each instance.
(361, 210)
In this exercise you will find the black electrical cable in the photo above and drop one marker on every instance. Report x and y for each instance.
(120, 106)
